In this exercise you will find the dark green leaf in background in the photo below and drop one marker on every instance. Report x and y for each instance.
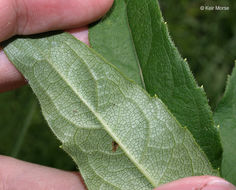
(113, 35)
(206, 38)
(164, 72)
(225, 117)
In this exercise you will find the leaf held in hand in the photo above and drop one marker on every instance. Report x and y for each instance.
(66, 76)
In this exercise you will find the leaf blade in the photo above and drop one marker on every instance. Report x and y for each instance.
(88, 104)
(225, 117)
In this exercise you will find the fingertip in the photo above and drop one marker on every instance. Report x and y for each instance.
(80, 33)
(198, 182)
(104, 6)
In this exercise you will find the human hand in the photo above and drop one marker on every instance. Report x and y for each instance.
(19, 175)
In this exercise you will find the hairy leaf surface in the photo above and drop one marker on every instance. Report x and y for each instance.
(89, 104)
(225, 117)
(134, 35)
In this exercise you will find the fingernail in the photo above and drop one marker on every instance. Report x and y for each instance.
(218, 184)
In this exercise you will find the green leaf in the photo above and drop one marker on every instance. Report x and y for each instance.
(140, 26)
(225, 117)
(89, 104)
(112, 38)
(24, 133)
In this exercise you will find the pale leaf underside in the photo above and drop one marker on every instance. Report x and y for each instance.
(89, 104)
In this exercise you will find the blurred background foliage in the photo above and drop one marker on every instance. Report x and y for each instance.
(206, 38)
(24, 133)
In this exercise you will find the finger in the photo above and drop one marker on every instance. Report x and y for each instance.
(198, 182)
(19, 175)
(80, 33)
(36, 16)
(11, 78)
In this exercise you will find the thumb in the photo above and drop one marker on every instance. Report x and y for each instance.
(198, 183)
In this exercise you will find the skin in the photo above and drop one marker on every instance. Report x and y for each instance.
(35, 16)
